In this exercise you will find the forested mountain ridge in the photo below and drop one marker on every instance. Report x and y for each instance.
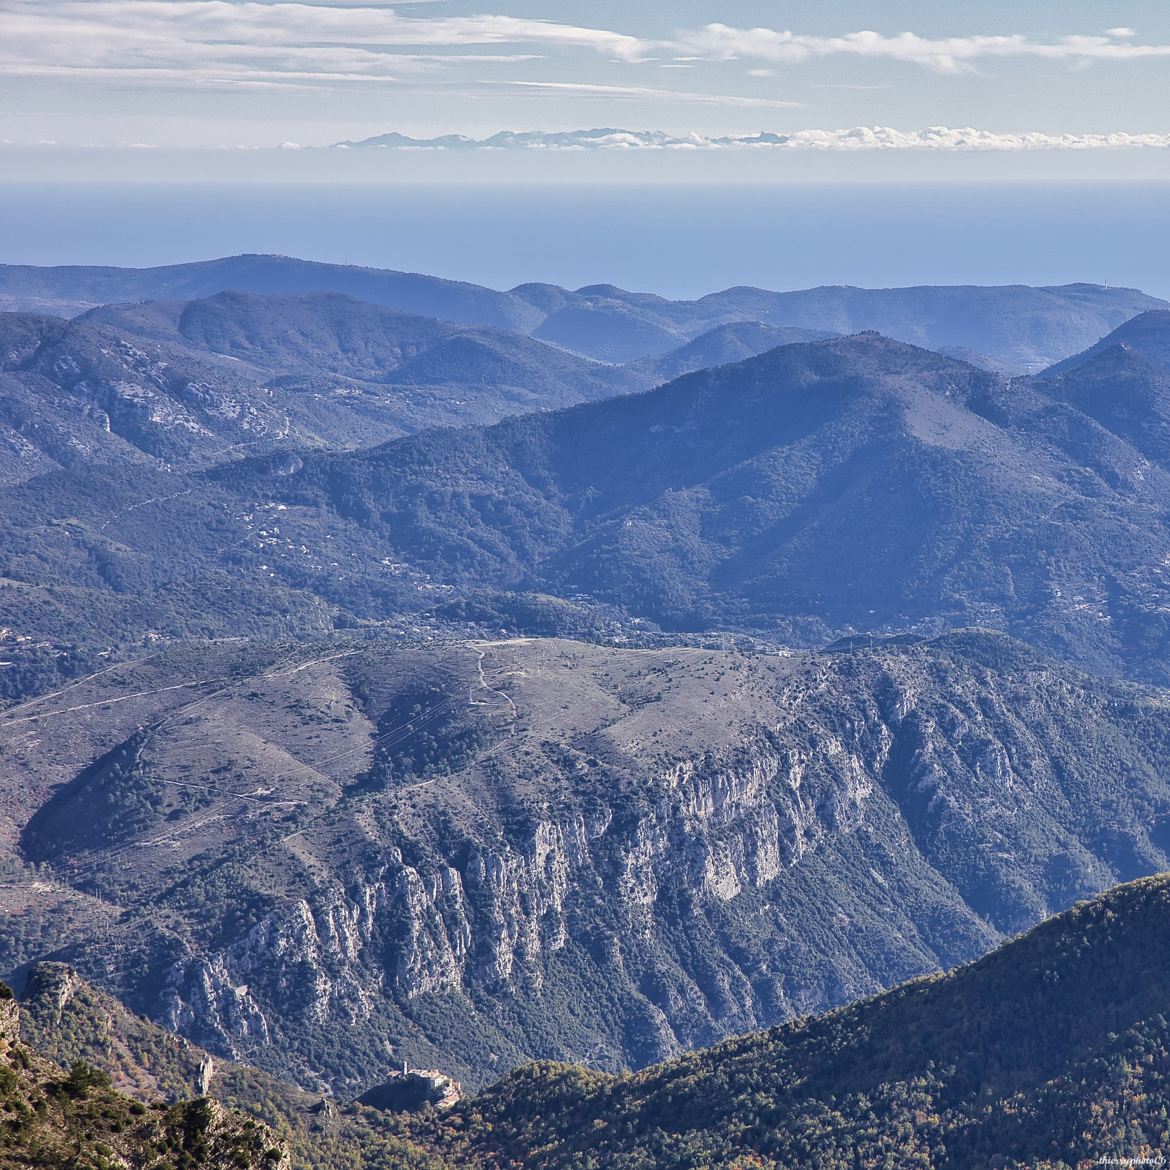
(70, 289)
(54, 1117)
(720, 346)
(186, 384)
(1026, 328)
(855, 483)
(343, 336)
(1147, 334)
(72, 1023)
(1125, 392)
(850, 485)
(721, 666)
(1053, 1051)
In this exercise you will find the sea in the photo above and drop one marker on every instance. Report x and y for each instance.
(674, 240)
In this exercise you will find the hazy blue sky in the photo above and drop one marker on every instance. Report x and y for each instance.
(190, 100)
(198, 73)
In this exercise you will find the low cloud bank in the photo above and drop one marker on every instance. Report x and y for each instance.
(963, 138)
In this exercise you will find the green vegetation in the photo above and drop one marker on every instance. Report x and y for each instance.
(53, 1120)
(267, 783)
(102, 1045)
(1052, 1052)
(812, 490)
(816, 490)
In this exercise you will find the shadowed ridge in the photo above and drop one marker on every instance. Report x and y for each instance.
(1123, 388)
(1054, 1050)
(1147, 334)
(76, 1118)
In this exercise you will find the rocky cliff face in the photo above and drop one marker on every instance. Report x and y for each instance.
(1055, 1044)
(9, 1021)
(644, 855)
(494, 913)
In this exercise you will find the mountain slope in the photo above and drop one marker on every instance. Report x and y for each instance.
(849, 484)
(324, 860)
(1124, 391)
(75, 288)
(188, 383)
(78, 394)
(67, 1020)
(1054, 1051)
(1147, 334)
(53, 1118)
(855, 484)
(369, 343)
(719, 347)
(1013, 324)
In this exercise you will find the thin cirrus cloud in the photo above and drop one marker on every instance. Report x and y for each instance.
(941, 54)
(213, 36)
(267, 41)
(646, 93)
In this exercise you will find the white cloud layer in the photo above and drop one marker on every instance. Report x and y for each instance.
(214, 40)
(933, 138)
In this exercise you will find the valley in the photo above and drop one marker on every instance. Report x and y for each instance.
(431, 849)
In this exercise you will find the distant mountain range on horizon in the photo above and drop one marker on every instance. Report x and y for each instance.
(932, 138)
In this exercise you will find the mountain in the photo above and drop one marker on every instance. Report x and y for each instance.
(720, 346)
(188, 383)
(818, 490)
(1054, 1051)
(1016, 326)
(67, 1020)
(71, 1022)
(980, 361)
(850, 484)
(611, 330)
(1124, 391)
(487, 372)
(74, 395)
(851, 138)
(71, 289)
(74, 1118)
(605, 138)
(366, 342)
(1147, 335)
(325, 859)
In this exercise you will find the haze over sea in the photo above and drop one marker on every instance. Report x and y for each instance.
(677, 241)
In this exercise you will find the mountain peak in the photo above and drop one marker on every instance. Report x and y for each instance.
(1147, 334)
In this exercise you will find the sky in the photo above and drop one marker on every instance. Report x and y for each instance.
(115, 79)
